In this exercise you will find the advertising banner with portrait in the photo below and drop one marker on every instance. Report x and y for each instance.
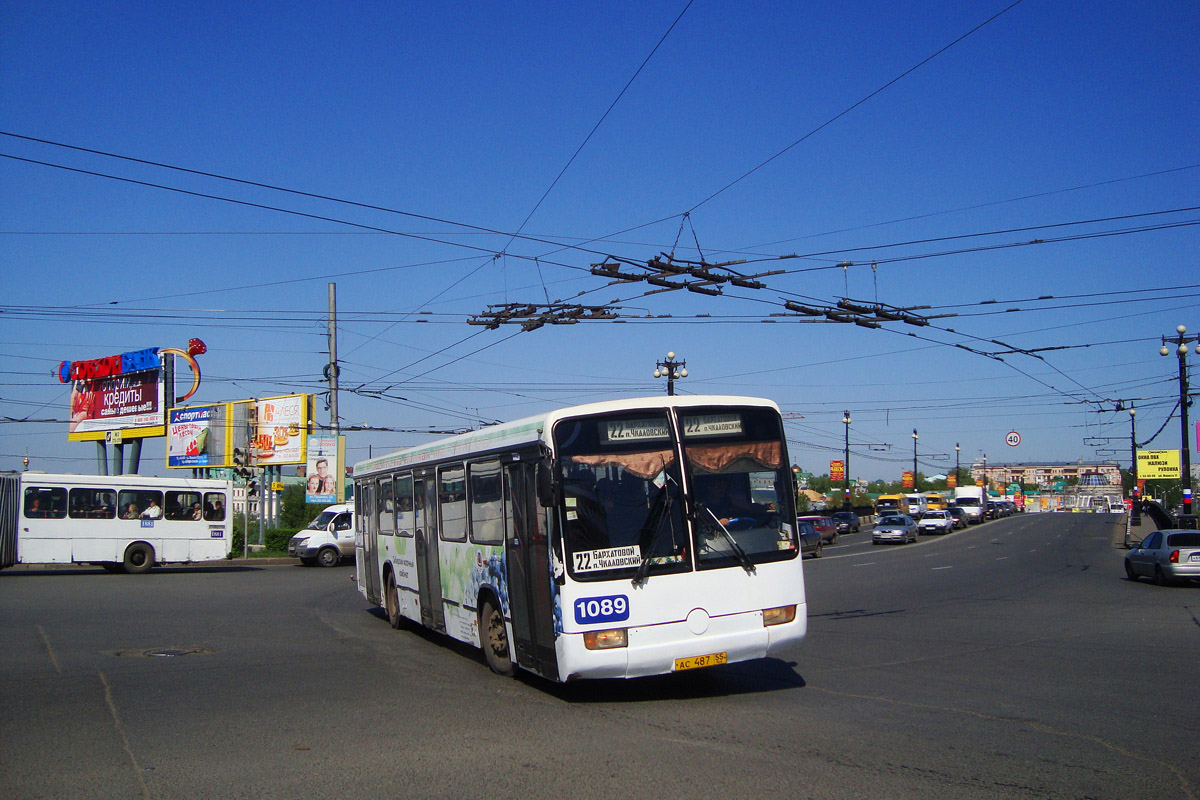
(196, 437)
(322, 470)
(132, 403)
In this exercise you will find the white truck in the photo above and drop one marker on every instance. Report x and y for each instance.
(973, 501)
(917, 506)
(328, 539)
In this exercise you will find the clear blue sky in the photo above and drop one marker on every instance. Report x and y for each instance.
(1074, 123)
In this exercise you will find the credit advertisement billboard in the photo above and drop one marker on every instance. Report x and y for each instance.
(132, 403)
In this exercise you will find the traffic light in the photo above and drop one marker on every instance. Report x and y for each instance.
(240, 465)
(252, 488)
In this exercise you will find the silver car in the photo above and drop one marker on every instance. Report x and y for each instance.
(936, 521)
(1168, 557)
(894, 528)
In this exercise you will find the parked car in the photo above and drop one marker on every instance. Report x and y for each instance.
(825, 526)
(810, 539)
(900, 529)
(961, 520)
(936, 522)
(1168, 557)
(847, 521)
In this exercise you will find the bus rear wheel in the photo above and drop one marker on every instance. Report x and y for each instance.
(493, 638)
(139, 557)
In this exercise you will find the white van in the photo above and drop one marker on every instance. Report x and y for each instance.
(917, 506)
(327, 539)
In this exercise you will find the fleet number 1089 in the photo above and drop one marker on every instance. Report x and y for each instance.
(613, 608)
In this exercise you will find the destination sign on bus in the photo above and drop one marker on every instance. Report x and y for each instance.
(607, 558)
(712, 425)
(630, 430)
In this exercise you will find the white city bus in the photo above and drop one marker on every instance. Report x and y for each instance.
(616, 539)
(122, 522)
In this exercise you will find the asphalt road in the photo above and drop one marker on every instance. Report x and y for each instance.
(1010, 660)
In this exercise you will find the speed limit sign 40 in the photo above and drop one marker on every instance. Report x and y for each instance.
(1012, 439)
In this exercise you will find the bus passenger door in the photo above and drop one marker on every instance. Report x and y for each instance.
(527, 554)
(368, 529)
(429, 574)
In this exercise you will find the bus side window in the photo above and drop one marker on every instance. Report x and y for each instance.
(214, 507)
(45, 502)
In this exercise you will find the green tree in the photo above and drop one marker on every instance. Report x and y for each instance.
(294, 513)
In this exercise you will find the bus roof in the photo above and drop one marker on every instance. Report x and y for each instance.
(530, 430)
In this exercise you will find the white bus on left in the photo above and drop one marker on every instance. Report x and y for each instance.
(125, 523)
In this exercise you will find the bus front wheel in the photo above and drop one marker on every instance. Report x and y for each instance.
(139, 557)
(493, 638)
(392, 600)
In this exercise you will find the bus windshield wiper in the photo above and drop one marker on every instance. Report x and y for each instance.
(648, 536)
(738, 552)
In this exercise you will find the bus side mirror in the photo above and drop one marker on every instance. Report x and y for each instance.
(547, 496)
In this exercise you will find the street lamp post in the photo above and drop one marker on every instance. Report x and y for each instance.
(1135, 513)
(1181, 341)
(672, 370)
(957, 450)
(916, 488)
(846, 462)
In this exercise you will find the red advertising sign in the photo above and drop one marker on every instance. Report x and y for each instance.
(130, 402)
(951, 481)
(906, 480)
(837, 470)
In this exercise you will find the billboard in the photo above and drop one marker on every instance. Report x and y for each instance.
(906, 480)
(124, 394)
(131, 402)
(1158, 465)
(280, 429)
(322, 470)
(837, 470)
(198, 436)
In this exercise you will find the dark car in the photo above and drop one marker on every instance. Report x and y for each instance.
(847, 521)
(825, 526)
(810, 539)
(961, 520)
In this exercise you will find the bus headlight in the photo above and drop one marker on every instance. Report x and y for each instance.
(778, 616)
(604, 640)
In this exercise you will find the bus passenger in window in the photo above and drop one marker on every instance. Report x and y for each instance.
(216, 511)
(131, 511)
(33, 509)
(152, 511)
(196, 511)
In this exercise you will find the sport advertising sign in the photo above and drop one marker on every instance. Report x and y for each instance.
(196, 437)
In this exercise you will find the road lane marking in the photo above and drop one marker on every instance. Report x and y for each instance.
(937, 568)
(1002, 558)
(49, 650)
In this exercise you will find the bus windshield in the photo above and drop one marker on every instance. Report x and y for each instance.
(742, 487)
(621, 495)
(623, 503)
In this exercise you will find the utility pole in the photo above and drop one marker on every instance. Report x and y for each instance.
(1135, 512)
(916, 488)
(1181, 341)
(331, 371)
(846, 463)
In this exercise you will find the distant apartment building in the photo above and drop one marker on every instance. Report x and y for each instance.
(1094, 473)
